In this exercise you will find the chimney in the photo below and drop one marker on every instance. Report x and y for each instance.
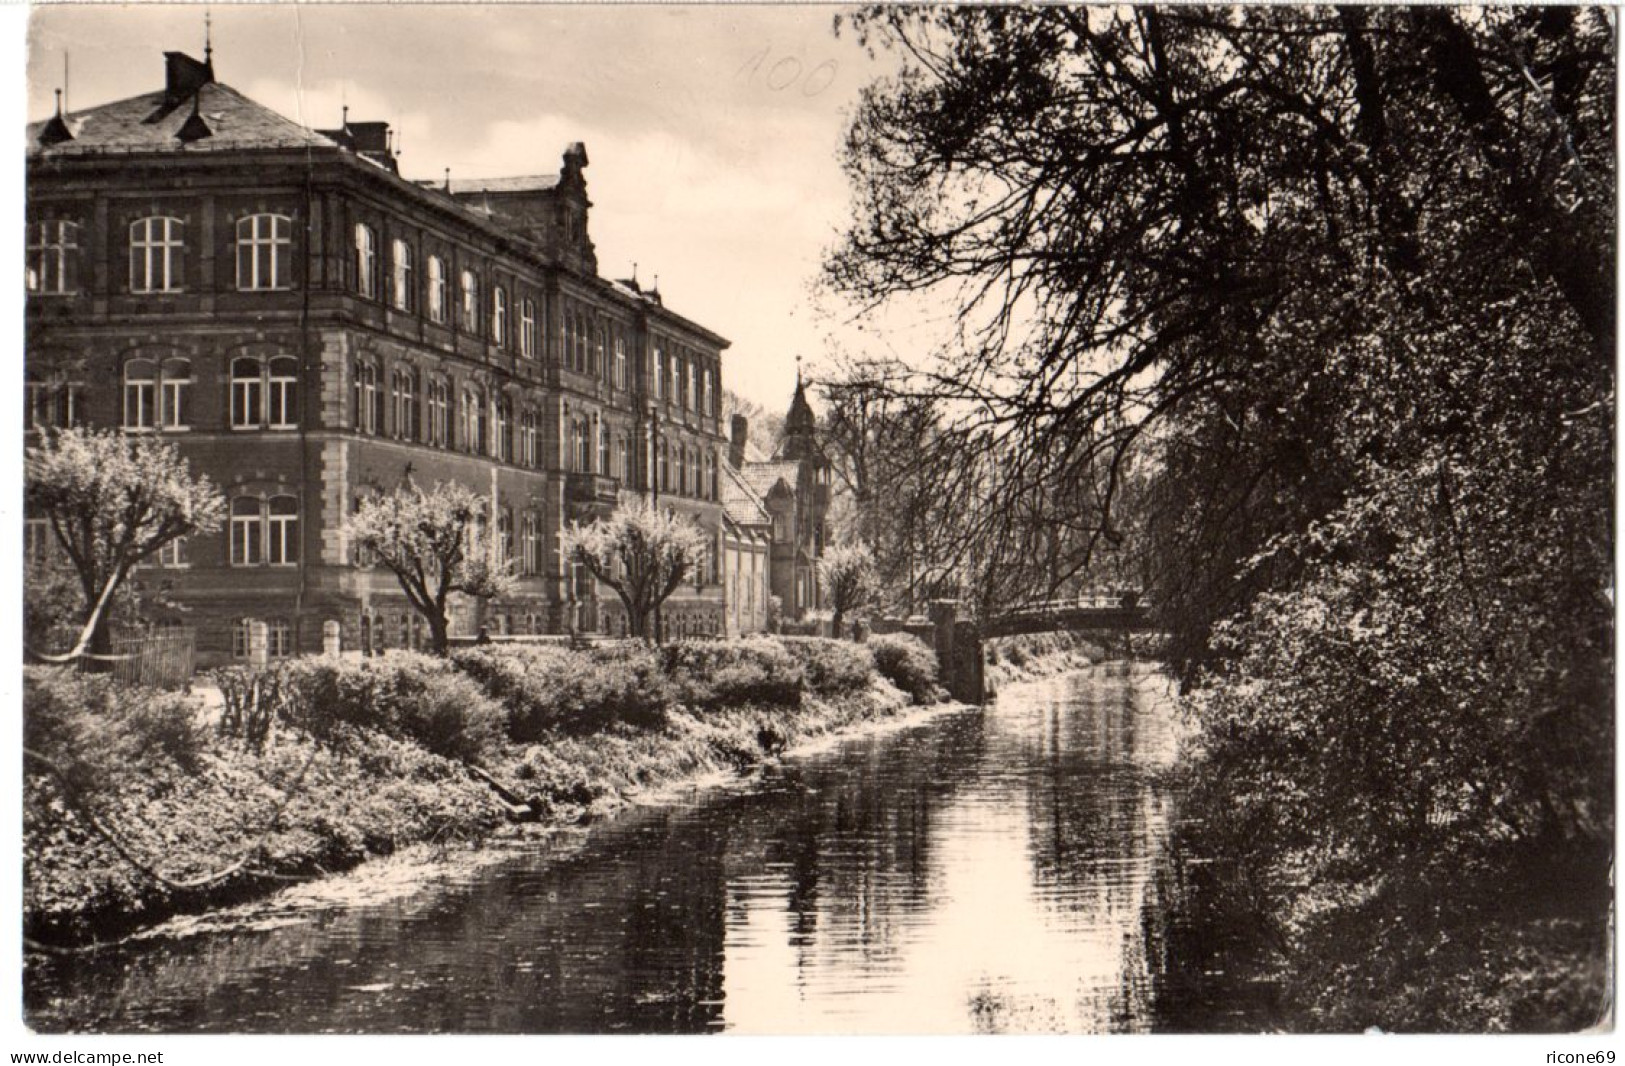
(184, 76)
(740, 432)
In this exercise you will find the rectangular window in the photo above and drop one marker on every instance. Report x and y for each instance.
(437, 289)
(177, 387)
(527, 328)
(155, 254)
(366, 261)
(247, 533)
(471, 302)
(401, 291)
(264, 252)
(282, 528)
(53, 258)
(36, 542)
(140, 398)
(173, 553)
(660, 373)
(278, 639)
(620, 362)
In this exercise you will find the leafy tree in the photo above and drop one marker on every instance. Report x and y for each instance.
(434, 544)
(111, 502)
(1315, 305)
(847, 572)
(642, 551)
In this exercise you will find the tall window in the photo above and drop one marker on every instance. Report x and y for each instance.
(401, 292)
(603, 449)
(282, 531)
(600, 353)
(140, 395)
(621, 469)
(54, 400)
(247, 532)
(471, 302)
(53, 258)
(156, 245)
(437, 289)
(369, 401)
(264, 252)
(710, 404)
(499, 316)
(472, 421)
(529, 451)
(682, 471)
(659, 362)
(175, 383)
(439, 402)
(676, 379)
(282, 393)
(665, 467)
(247, 393)
(403, 391)
(619, 376)
(366, 261)
(173, 553)
(531, 544)
(265, 394)
(501, 429)
(504, 544)
(527, 328)
(691, 395)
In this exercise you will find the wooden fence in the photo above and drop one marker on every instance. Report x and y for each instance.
(165, 658)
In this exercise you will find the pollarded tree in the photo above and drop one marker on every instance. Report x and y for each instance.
(434, 545)
(642, 552)
(848, 575)
(111, 502)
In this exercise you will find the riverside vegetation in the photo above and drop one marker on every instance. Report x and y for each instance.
(137, 805)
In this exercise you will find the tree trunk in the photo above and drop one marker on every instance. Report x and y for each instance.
(439, 638)
(637, 623)
(99, 660)
(835, 624)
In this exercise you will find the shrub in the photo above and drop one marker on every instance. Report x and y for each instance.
(708, 675)
(831, 667)
(908, 663)
(550, 689)
(403, 694)
(92, 728)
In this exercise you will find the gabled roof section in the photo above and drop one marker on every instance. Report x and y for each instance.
(762, 477)
(740, 503)
(152, 122)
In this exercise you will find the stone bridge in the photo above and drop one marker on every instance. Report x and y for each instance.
(958, 641)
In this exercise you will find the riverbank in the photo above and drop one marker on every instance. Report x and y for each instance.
(1033, 656)
(160, 817)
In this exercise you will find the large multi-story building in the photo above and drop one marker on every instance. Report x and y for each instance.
(308, 327)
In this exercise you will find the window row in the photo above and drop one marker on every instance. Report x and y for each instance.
(680, 379)
(484, 426)
(510, 324)
(685, 471)
(157, 255)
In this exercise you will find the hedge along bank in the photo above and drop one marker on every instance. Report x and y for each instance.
(135, 809)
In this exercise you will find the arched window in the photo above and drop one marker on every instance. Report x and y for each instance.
(369, 403)
(247, 531)
(499, 316)
(404, 399)
(366, 261)
(471, 302)
(156, 245)
(175, 382)
(282, 531)
(527, 328)
(140, 395)
(401, 291)
(247, 393)
(282, 393)
(437, 289)
(53, 258)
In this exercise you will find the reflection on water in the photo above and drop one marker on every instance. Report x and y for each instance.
(996, 870)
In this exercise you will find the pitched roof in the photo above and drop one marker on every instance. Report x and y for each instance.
(150, 123)
(761, 477)
(739, 501)
(527, 183)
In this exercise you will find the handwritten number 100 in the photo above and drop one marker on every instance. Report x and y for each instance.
(786, 71)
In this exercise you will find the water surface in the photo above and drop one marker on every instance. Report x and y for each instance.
(996, 870)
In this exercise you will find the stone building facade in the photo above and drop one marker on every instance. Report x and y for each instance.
(308, 327)
(794, 487)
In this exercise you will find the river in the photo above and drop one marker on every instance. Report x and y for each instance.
(997, 870)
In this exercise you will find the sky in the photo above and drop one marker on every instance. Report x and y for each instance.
(712, 131)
